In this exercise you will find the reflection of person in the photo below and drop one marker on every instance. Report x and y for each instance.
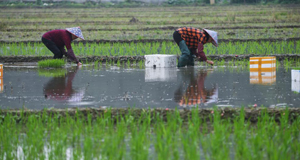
(55, 41)
(195, 92)
(190, 40)
(61, 89)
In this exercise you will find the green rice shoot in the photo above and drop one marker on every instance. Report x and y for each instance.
(52, 63)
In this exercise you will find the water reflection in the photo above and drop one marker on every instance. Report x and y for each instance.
(1, 85)
(1, 78)
(295, 84)
(60, 88)
(193, 90)
(160, 74)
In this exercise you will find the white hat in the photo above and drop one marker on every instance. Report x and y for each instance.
(76, 31)
(213, 35)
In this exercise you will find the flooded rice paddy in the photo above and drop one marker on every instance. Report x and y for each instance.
(32, 88)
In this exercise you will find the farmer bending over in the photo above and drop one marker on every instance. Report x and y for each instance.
(55, 41)
(190, 39)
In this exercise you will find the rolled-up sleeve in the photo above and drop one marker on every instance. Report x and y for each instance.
(200, 54)
(71, 55)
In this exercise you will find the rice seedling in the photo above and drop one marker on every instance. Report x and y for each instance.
(128, 63)
(141, 64)
(96, 65)
(149, 135)
(118, 63)
(51, 63)
(140, 49)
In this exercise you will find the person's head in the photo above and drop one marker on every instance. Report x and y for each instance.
(74, 37)
(209, 39)
(75, 32)
(212, 37)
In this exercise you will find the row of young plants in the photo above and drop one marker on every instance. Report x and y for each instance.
(140, 49)
(148, 136)
(50, 68)
(159, 33)
(157, 18)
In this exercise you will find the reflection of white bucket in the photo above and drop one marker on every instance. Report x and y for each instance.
(160, 60)
(296, 80)
(160, 74)
(295, 75)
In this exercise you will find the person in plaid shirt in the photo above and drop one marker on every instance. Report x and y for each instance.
(56, 40)
(190, 40)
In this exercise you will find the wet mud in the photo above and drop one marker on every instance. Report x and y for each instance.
(251, 114)
(14, 59)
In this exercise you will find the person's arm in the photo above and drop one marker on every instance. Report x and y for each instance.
(70, 54)
(201, 55)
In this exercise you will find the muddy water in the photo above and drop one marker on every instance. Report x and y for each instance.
(28, 87)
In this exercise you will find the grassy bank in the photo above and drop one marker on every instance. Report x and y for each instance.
(150, 134)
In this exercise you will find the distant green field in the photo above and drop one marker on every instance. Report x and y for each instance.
(231, 22)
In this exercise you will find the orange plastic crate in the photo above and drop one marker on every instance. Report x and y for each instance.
(262, 70)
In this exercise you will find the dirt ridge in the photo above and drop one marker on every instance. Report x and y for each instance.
(251, 114)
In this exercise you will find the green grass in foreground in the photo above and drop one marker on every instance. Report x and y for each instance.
(148, 137)
(51, 63)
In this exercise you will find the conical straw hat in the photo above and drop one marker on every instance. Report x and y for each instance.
(213, 35)
(76, 31)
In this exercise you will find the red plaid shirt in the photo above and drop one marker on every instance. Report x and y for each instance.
(194, 39)
(192, 36)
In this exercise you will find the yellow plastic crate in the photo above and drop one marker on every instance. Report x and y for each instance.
(262, 70)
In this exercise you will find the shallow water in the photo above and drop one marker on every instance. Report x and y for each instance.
(28, 87)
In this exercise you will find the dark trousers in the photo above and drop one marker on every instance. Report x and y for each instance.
(53, 48)
(177, 37)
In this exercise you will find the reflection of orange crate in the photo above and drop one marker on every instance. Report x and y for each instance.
(262, 70)
(1, 84)
(1, 70)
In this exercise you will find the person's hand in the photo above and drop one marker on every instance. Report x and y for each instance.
(210, 62)
(79, 64)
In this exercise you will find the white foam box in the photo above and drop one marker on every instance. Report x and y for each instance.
(295, 80)
(160, 74)
(160, 61)
(295, 75)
